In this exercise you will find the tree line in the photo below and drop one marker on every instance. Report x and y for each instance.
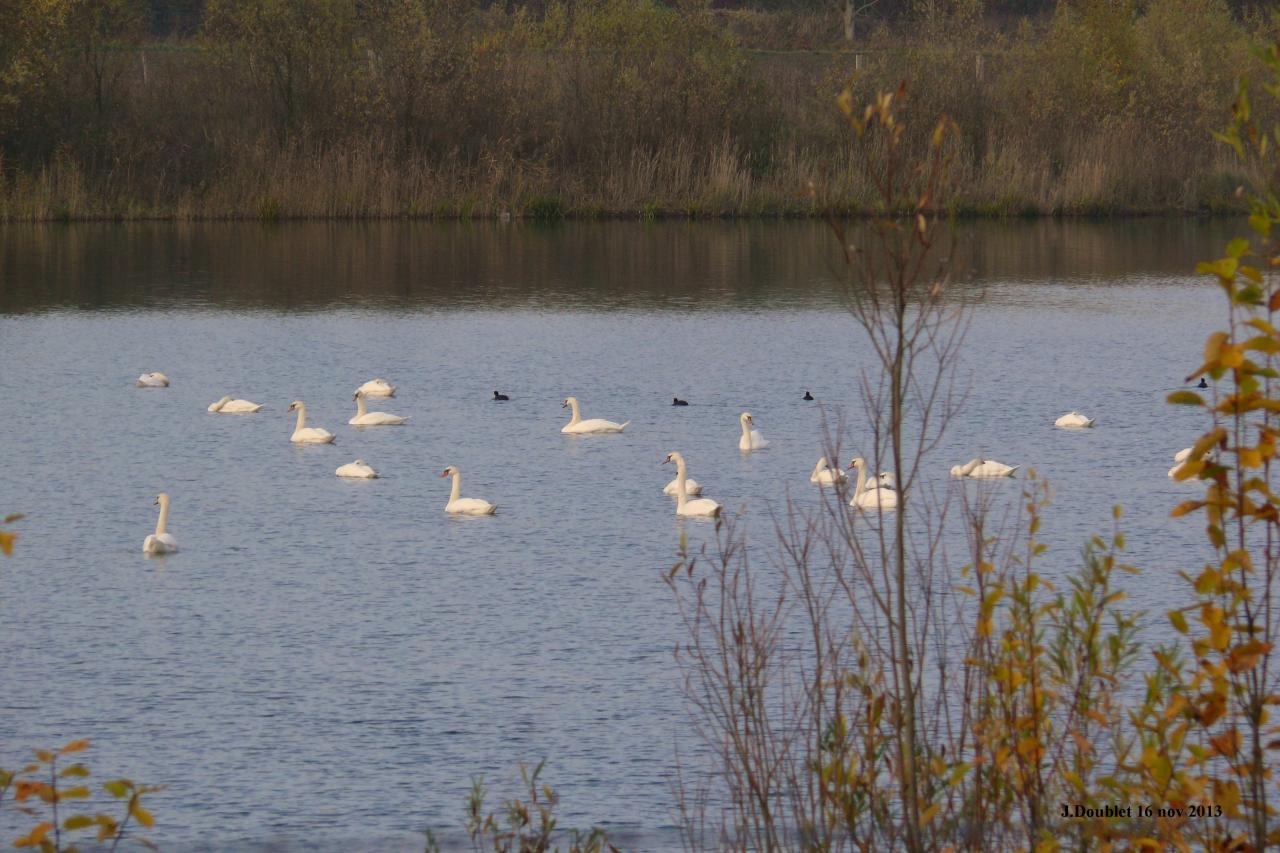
(344, 108)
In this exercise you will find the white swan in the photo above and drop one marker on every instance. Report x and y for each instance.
(464, 506)
(228, 406)
(1179, 459)
(886, 480)
(824, 475)
(577, 425)
(984, 469)
(303, 434)
(377, 388)
(153, 380)
(364, 418)
(358, 470)
(161, 542)
(751, 438)
(691, 487)
(699, 508)
(1073, 420)
(866, 496)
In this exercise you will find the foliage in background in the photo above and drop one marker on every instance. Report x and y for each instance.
(358, 108)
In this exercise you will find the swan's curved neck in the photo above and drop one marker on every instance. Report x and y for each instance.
(360, 411)
(456, 491)
(819, 468)
(862, 478)
(302, 418)
(681, 497)
(163, 520)
(746, 431)
(577, 414)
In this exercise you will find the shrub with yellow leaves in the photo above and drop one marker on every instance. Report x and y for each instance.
(43, 790)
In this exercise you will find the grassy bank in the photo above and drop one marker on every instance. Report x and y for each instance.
(603, 108)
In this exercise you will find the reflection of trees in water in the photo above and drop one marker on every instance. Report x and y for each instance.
(679, 265)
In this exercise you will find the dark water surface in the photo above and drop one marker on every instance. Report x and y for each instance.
(331, 662)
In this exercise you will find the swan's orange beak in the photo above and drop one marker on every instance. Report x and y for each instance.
(444, 473)
(665, 461)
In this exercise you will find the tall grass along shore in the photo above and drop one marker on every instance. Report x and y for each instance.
(137, 109)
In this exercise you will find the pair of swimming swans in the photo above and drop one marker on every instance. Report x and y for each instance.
(577, 426)
(161, 542)
(1073, 420)
(686, 507)
(874, 495)
(824, 475)
(229, 406)
(464, 506)
(983, 469)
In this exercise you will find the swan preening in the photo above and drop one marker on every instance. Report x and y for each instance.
(577, 425)
(153, 380)
(699, 508)
(358, 470)
(377, 388)
(161, 542)
(228, 406)
(364, 418)
(303, 434)
(824, 475)
(1073, 420)
(984, 469)
(751, 438)
(464, 506)
(867, 496)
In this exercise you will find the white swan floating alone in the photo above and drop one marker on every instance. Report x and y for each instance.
(153, 380)
(228, 406)
(577, 426)
(867, 496)
(303, 434)
(824, 475)
(358, 470)
(984, 469)
(377, 388)
(364, 418)
(1073, 420)
(464, 506)
(161, 542)
(751, 438)
(699, 508)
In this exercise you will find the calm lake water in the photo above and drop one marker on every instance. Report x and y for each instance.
(329, 662)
